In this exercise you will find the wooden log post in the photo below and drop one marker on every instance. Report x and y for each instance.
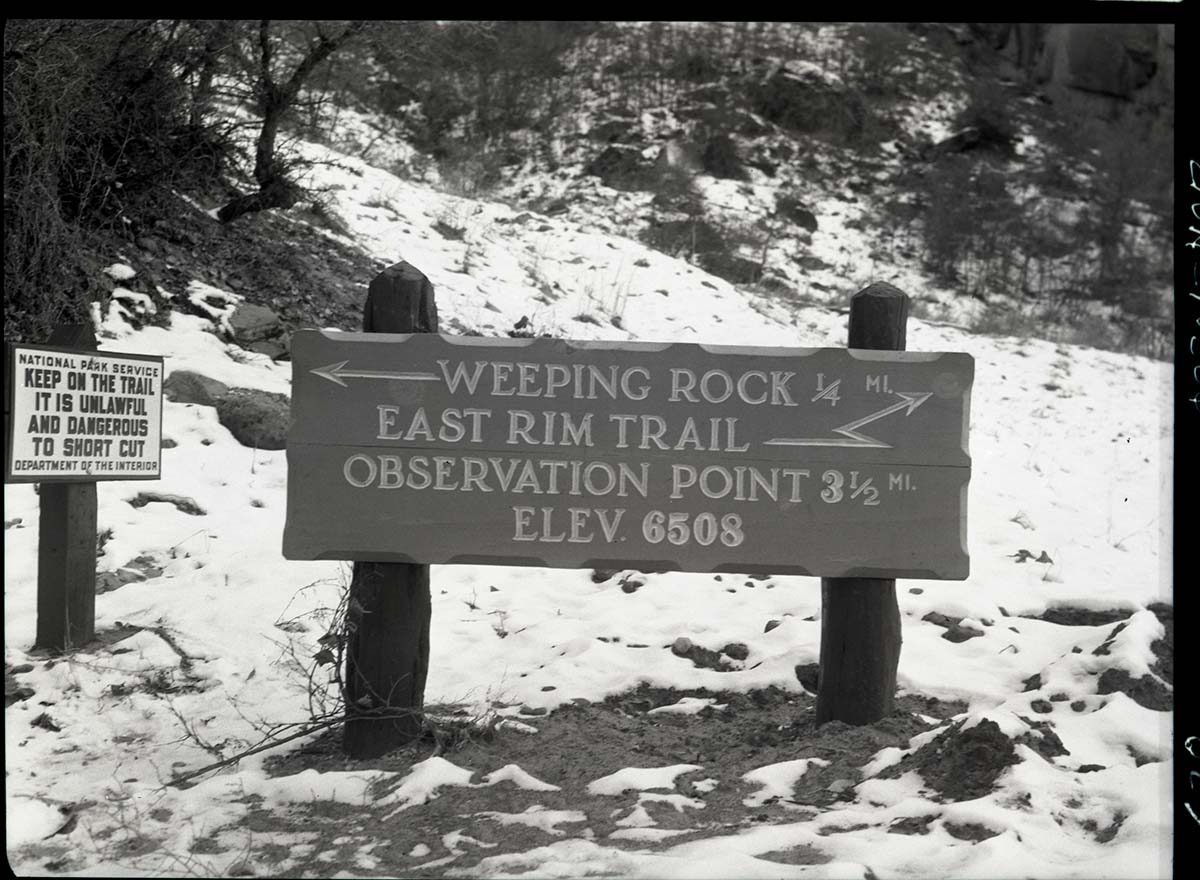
(387, 652)
(66, 597)
(860, 617)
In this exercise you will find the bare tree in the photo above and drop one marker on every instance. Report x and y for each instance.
(275, 98)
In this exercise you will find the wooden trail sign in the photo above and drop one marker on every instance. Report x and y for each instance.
(73, 416)
(439, 449)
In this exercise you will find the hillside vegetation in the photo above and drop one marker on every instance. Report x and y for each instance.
(1013, 179)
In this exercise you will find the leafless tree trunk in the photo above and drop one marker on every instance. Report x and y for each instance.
(275, 188)
(215, 42)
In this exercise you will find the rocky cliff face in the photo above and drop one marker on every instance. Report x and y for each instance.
(1129, 62)
(1109, 70)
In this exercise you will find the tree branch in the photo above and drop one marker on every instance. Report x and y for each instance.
(264, 54)
(318, 52)
(233, 759)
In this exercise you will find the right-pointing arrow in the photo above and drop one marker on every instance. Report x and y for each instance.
(849, 431)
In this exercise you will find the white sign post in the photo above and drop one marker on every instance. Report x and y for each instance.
(73, 416)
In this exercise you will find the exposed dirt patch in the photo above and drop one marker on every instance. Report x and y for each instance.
(1164, 648)
(931, 706)
(1146, 690)
(959, 764)
(956, 631)
(911, 825)
(14, 691)
(797, 855)
(1102, 650)
(140, 568)
(276, 259)
(1066, 616)
(970, 831)
(809, 675)
(701, 657)
(182, 504)
(579, 743)
(961, 633)
(1104, 835)
(1042, 739)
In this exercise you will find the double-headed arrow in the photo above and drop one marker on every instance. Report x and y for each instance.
(850, 434)
(337, 372)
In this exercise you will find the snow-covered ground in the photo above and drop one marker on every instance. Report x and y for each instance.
(1072, 462)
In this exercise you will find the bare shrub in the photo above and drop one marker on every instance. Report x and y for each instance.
(882, 51)
(97, 121)
(989, 111)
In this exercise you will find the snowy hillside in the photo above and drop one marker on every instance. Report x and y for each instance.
(615, 755)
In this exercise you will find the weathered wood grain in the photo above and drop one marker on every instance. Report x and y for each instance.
(66, 602)
(387, 654)
(860, 617)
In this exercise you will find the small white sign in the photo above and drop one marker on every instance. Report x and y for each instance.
(80, 415)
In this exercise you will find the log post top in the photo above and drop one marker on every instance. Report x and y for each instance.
(879, 317)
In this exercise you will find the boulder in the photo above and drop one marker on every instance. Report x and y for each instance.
(274, 348)
(790, 208)
(250, 323)
(736, 650)
(766, 166)
(615, 130)
(675, 155)
(631, 583)
(1108, 59)
(676, 237)
(733, 267)
(619, 168)
(725, 118)
(255, 418)
(804, 98)
(720, 158)
(187, 386)
(960, 142)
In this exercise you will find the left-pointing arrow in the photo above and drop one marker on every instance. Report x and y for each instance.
(338, 372)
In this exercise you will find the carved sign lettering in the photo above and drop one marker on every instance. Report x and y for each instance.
(436, 449)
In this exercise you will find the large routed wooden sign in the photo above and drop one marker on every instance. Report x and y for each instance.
(78, 416)
(437, 449)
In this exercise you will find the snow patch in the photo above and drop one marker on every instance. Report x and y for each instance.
(537, 816)
(777, 779)
(639, 779)
(119, 272)
(514, 774)
(686, 706)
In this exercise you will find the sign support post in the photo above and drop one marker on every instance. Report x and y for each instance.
(66, 599)
(860, 617)
(387, 654)
(73, 416)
